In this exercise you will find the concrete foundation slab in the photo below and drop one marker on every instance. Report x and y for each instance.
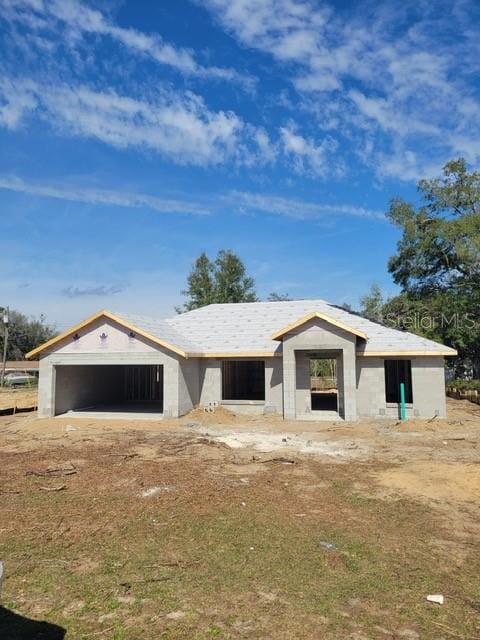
(127, 411)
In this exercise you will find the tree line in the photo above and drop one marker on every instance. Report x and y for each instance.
(24, 334)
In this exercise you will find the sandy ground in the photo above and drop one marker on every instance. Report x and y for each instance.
(437, 460)
(206, 462)
(18, 398)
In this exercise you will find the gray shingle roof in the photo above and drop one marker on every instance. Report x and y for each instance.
(162, 329)
(248, 327)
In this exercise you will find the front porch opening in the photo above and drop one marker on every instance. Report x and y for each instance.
(109, 389)
(323, 384)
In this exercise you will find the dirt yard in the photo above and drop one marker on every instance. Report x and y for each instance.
(217, 526)
(13, 399)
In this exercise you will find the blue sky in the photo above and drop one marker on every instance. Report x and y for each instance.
(134, 135)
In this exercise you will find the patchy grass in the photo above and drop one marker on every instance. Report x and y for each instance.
(219, 555)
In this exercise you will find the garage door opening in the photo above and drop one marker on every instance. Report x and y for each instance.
(109, 389)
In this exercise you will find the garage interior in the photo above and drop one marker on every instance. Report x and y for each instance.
(109, 389)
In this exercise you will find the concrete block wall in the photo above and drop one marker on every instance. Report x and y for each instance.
(46, 388)
(210, 370)
(302, 391)
(428, 379)
(370, 386)
(349, 387)
(274, 385)
(188, 385)
(317, 336)
(428, 386)
(210, 382)
(289, 382)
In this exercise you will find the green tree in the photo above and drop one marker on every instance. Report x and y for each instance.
(232, 284)
(440, 244)
(201, 284)
(24, 334)
(371, 304)
(437, 263)
(224, 280)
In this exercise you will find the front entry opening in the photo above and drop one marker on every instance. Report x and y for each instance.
(109, 389)
(323, 384)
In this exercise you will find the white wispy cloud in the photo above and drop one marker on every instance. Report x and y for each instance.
(308, 156)
(95, 196)
(15, 101)
(399, 78)
(390, 118)
(176, 125)
(241, 201)
(295, 208)
(289, 29)
(394, 85)
(81, 20)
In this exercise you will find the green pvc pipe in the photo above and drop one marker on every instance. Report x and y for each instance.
(403, 405)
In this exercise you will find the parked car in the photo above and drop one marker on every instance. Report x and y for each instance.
(19, 379)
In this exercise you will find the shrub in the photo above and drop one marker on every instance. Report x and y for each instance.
(464, 385)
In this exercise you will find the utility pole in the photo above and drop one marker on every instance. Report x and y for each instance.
(5, 318)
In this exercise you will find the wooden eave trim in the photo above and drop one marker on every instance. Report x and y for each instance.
(386, 354)
(109, 316)
(321, 316)
(236, 354)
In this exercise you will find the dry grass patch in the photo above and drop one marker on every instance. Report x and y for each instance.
(167, 537)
